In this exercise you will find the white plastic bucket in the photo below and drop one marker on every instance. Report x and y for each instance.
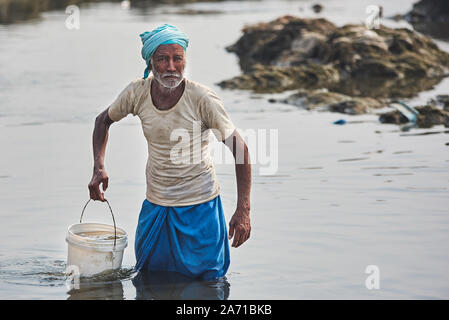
(93, 255)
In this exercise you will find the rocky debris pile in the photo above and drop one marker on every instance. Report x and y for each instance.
(322, 99)
(286, 41)
(295, 53)
(429, 116)
(271, 79)
(441, 100)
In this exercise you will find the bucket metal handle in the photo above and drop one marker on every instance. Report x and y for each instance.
(113, 219)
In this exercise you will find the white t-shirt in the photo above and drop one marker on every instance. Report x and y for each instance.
(180, 170)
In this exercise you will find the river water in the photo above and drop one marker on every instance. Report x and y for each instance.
(340, 198)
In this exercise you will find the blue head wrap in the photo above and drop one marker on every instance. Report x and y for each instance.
(165, 34)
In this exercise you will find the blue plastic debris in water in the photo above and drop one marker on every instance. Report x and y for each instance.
(340, 122)
(409, 112)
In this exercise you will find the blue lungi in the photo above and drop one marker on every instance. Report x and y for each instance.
(191, 240)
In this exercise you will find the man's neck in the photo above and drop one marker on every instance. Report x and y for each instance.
(164, 92)
(164, 98)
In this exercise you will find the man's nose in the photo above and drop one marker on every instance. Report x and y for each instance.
(171, 65)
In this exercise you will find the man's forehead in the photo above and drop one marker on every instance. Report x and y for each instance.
(165, 49)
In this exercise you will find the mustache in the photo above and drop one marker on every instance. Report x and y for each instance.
(170, 74)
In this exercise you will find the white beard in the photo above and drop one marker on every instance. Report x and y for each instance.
(169, 83)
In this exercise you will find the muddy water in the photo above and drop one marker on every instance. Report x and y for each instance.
(99, 235)
(342, 197)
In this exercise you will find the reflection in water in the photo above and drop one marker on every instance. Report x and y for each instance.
(46, 272)
(163, 285)
(104, 286)
(155, 285)
(87, 290)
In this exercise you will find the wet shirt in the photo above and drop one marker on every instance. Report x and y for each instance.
(180, 169)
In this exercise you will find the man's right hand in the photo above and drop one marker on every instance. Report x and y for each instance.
(99, 177)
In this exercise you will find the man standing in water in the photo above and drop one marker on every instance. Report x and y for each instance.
(181, 224)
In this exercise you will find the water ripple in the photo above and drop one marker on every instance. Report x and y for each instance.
(48, 272)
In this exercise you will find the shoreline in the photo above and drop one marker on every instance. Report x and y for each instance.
(16, 11)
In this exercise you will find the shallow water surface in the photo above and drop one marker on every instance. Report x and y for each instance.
(342, 197)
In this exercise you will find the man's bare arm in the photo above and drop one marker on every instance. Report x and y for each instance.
(240, 225)
(99, 141)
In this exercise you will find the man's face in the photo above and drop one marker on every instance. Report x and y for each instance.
(168, 63)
